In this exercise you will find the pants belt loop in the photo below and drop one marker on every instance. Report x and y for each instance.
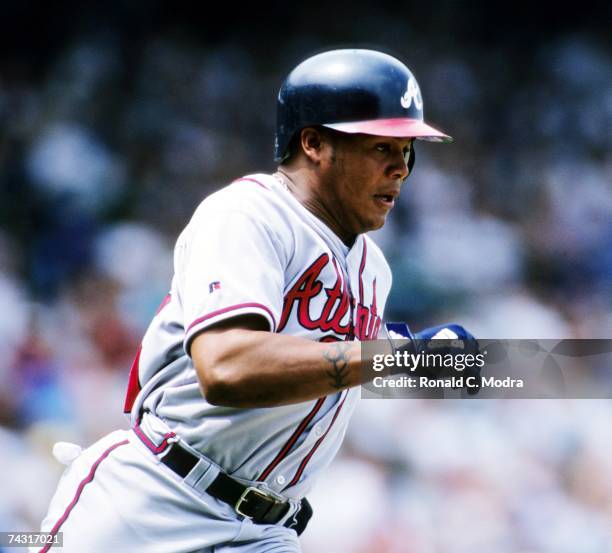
(202, 475)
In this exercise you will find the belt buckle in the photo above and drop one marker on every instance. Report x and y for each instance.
(244, 498)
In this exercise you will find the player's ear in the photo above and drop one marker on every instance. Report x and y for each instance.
(312, 141)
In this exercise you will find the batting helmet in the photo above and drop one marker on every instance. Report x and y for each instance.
(352, 91)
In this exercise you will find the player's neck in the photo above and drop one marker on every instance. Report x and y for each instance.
(305, 192)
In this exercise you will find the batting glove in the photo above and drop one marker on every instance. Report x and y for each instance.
(447, 339)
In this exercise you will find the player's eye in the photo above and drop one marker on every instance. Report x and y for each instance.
(384, 148)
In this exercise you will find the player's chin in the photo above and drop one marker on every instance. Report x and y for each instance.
(374, 222)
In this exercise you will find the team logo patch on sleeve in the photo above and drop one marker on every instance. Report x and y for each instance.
(216, 285)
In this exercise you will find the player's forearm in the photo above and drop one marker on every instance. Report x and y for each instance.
(260, 369)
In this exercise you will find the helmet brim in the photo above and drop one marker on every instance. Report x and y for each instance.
(397, 127)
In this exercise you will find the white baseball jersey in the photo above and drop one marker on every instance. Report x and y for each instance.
(253, 248)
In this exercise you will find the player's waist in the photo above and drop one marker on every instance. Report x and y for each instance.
(248, 499)
(157, 435)
(301, 439)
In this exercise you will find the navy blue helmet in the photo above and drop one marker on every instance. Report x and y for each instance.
(352, 91)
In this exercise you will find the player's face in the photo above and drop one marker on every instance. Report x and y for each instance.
(364, 175)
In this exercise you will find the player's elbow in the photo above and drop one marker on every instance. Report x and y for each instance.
(220, 378)
(210, 360)
(221, 358)
(218, 385)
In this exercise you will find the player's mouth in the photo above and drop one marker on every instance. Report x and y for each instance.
(385, 200)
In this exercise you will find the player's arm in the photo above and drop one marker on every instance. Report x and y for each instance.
(241, 364)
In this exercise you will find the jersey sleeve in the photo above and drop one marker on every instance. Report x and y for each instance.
(231, 264)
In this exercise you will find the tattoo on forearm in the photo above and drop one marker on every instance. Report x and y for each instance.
(338, 357)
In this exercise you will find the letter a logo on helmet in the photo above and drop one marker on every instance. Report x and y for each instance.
(352, 91)
(412, 93)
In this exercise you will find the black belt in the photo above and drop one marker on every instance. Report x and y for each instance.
(247, 501)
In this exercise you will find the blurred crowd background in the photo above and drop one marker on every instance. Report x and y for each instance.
(116, 121)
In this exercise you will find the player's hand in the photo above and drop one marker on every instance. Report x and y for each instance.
(449, 339)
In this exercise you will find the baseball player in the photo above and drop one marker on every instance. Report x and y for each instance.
(247, 376)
